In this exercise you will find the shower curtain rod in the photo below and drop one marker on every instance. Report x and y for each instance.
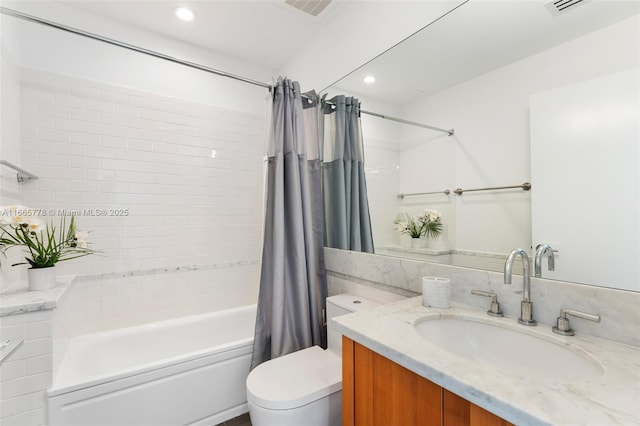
(449, 132)
(51, 24)
(31, 18)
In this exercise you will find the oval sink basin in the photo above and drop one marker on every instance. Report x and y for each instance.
(508, 349)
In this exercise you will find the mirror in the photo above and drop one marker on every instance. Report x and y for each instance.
(488, 70)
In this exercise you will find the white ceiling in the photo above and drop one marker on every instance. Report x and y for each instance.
(479, 36)
(265, 32)
(476, 38)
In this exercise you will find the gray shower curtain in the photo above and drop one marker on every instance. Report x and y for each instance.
(293, 286)
(346, 206)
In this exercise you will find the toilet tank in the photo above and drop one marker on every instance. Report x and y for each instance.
(343, 304)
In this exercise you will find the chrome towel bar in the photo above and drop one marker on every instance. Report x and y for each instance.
(22, 173)
(445, 192)
(525, 186)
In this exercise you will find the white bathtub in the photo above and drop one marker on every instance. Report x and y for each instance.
(187, 371)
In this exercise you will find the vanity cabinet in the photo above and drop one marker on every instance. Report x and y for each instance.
(377, 391)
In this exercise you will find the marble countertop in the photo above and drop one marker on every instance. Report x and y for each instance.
(613, 399)
(19, 300)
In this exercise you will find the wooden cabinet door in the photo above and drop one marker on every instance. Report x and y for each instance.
(385, 393)
(460, 412)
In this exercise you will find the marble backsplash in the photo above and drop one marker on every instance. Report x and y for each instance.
(619, 309)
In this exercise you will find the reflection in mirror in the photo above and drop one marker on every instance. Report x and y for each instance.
(532, 97)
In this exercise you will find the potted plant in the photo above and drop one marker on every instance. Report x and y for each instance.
(46, 244)
(428, 224)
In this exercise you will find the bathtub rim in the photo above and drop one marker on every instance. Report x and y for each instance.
(57, 389)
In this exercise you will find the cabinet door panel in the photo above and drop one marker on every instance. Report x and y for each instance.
(460, 412)
(457, 411)
(481, 417)
(383, 390)
(388, 394)
(416, 400)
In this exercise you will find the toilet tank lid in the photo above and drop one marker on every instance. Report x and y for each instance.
(351, 302)
(296, 379)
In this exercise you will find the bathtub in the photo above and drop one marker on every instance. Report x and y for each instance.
(187, 371)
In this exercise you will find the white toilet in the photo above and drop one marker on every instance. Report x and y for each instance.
(303, 388)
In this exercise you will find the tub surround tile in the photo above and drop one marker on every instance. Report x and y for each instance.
(10, 346)
(26, 373)
(17, 299)
(153, 271)
(109, 301)
(612, 399)
(618, 309)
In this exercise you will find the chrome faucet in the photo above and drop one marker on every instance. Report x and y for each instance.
(526, 306)
(537, 263)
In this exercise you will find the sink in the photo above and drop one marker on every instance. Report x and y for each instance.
(509, 349)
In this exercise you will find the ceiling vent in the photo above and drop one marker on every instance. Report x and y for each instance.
(559, 7)
(311, 7)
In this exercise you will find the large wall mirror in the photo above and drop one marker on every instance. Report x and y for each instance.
(535, 93)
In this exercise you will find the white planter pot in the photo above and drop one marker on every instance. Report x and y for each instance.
(416, 243)
(41, 278)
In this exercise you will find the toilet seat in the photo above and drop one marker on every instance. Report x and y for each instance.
(296, 379)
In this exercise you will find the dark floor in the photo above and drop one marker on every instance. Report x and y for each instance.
(242, 420)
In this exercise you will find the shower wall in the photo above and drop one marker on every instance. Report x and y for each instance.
(9, 137)
(139, 172)
(158, 182)
(111, 130)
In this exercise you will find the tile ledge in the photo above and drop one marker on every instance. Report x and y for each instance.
(17, 299)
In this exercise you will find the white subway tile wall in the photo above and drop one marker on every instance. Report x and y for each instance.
(9, 151)
(395, 166)
(382, 166)
(95, 305)
(157, 181)
(27, 372)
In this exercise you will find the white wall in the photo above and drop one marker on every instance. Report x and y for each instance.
(425, 166)
(9, 136)
(60, 52)
(490, 115)
(27, 373)
(104, 126)
(100, 147)
(584, 145)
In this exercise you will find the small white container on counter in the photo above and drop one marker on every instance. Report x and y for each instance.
(436, 292)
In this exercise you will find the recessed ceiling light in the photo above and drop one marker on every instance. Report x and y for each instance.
(185, 14)
(369, 79)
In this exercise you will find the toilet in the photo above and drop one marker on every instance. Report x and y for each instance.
(303, 388)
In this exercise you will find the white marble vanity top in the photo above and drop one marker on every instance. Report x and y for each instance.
(613, 399)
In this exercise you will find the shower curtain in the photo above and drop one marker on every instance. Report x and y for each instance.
(293, 285)
(346, 206)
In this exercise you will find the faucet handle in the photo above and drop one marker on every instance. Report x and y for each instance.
(495, 306)
(562, 324)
